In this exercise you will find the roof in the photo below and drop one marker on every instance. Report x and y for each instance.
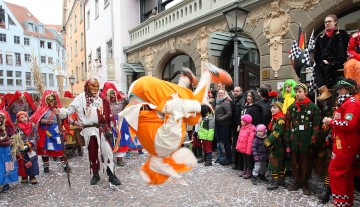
(22, 14)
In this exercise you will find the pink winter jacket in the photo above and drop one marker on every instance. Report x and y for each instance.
(245, 139)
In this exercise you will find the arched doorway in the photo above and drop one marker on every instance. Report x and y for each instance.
(222, 45)
(176, 63)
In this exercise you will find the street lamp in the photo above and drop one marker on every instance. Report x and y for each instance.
(72, 80)
(235, 18)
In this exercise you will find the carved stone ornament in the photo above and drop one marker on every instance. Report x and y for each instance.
(148, 55)
(276, 25)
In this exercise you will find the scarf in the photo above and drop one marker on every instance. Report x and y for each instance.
(330, 32)
(27, 128)
(276, 116)
(305, 101)
(342, 99)
(219, 101)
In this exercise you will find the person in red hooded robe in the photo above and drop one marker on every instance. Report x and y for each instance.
(117, 104)
(20, 102)
(49, 144)
(8, 167)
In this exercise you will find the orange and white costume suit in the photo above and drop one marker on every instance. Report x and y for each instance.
(159, 118)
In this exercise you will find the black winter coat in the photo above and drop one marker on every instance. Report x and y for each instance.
(260, 152)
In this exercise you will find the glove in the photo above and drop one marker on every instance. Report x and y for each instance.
(28, 164)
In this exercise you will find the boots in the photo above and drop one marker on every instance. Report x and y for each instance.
(95, 179)
(201, 160)
(295, 186)
(263, 178)
(281, 181)
(199, 152)
(24, 180)
(33, 180)
(208, 159)
(305, 188)
(325, 196)
(195, 151)
(324, 93)
(242, 173)
(273, 184)
(254, 180)
(114, 180)
(46, 169)
(248, 174)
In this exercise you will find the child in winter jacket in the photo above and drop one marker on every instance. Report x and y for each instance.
(260, 154)
(206, 134)
(244, 145)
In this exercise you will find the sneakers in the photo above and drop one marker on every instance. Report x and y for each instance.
(5, 188)
(95, 179)
(254, 180)
(114, 180)
(219, 75)
(120, 162)
(33, 180)
(127, 155)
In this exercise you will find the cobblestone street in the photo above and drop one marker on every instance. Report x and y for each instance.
(203, 186)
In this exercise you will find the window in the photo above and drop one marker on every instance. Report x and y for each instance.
(27, 58)
(17, 59)
(96, 8)
(42, 44)
(41, 29)
(98, 55)
(26, 41)
(9, 60)
(82, 71)
(109, 49)
(43, 59)
(43, 78)
(77, 74)
(1, 77)
(51, 80)
(28, 79)
(76, 50)
(88, 19)
(1, 58)
(75, 23)
(18, 77)
(81, 41)
(50, 60)
(2, 37)
(81, 13)
(10, 78)
(2, 17)
(16, 39)
(106, 3)
(31, 27)
(49, 44)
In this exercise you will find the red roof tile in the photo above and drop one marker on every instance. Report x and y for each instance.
(22, 14)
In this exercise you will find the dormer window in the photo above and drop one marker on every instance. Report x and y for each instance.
(40, 29)
(31, 27)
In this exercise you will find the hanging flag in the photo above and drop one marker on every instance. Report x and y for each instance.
(295, 51)
(301, 39)
(311, 44)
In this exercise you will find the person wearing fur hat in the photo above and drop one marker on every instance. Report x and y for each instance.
(302, 125)
(8, 166)
(260, 154)
(346, 142)
(275, 143)
(244, 145)
(27, 157)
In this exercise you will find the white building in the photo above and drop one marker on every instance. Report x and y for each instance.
(107, 23)
(22, 35)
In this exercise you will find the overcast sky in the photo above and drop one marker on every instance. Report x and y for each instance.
(46, 11)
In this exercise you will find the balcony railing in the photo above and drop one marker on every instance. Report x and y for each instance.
(175, 17)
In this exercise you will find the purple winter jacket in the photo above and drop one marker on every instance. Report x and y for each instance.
(245, 139)
(260, 152)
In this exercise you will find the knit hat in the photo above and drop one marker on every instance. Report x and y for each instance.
(21, 113)
(246, 118)
(277, 104)
(261, 128)
(304, 86)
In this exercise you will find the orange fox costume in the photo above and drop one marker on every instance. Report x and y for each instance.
(159, 120)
